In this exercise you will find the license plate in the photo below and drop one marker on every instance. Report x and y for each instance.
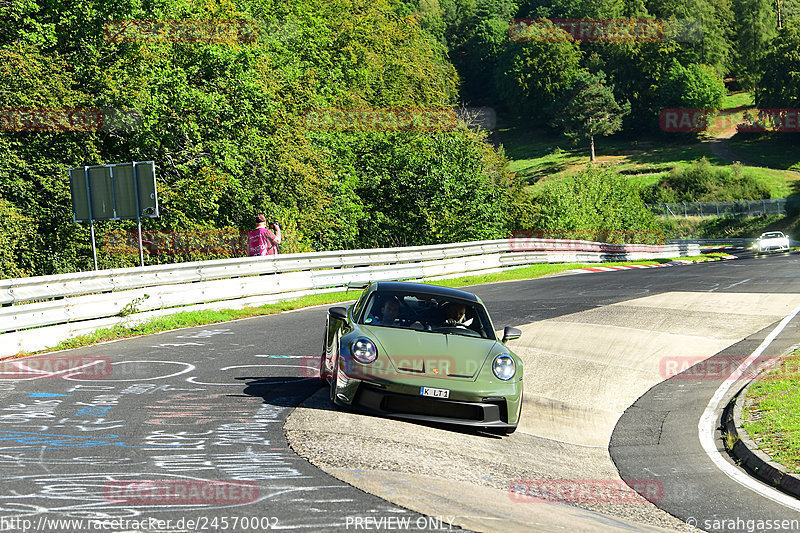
(434, 393)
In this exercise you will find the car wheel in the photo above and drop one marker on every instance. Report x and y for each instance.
(334, 376)
(323, 371)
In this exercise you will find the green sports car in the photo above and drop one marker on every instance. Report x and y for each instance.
(422, 352)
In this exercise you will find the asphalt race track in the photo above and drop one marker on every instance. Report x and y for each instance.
(188, 425)
(694, 489)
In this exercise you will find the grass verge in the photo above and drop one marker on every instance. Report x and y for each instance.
(199, 318)
(737, 100)
(729, 227)
(539, 158)
(770, 412)
(773, 149)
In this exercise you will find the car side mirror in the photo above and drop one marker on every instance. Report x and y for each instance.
(338, 312)
(509, 334)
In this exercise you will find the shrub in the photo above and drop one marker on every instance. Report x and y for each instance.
(696, 86)
(598, 199)
(16, 235)
(702, 182)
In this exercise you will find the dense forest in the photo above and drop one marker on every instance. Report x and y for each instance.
(226, 121)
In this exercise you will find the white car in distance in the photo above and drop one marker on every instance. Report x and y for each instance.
(771, 241)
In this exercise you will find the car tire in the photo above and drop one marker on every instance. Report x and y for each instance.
(334, 375)
(323, 371)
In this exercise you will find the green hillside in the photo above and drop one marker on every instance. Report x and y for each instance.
(233, 120)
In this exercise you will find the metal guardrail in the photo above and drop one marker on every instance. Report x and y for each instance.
(743, 241)
(64, 305)
(715, 242)
(775, 206)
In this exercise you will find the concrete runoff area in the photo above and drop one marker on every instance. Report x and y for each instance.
(582, 371)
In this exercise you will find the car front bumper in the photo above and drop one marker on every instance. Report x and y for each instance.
(497, 408)
(773, 247)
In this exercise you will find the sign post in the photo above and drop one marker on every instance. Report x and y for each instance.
(114, 192)
(91, 220)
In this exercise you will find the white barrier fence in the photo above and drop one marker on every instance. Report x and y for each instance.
(40, 312)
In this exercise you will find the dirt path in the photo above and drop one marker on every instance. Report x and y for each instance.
(719, 143)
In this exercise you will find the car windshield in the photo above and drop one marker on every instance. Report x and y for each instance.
(773, 235)
(425, 312)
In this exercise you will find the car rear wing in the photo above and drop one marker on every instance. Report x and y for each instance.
(356, 285)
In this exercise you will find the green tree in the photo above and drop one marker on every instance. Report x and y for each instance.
(225, 122)
(779, 86)
(711, 45)
(757, 26)
(635, 70)
(695, 86)
(476, 41)
(531, 75)
(787, 12)
(16, 238)
(430, 188)
(588, 108)
(574, 8)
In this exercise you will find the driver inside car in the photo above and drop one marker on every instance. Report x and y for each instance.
(390, 312)
(455, 314)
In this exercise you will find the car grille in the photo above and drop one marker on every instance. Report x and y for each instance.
(427, 407)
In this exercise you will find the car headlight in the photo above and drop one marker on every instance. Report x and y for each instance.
(364, 351)
(504, 367)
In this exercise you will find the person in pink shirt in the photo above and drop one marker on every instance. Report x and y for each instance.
(262, 241)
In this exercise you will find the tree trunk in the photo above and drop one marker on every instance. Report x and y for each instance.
(591, 139)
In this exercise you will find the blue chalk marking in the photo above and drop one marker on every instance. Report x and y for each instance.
(63, 441)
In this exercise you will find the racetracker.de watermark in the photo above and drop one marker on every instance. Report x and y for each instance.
(56, 366)
(180, 492)
(55, 119)
(400, 369)
(221, 242)
(604, 30)
(692, 120)
(587, 30)
(214, 522)
(381, 119)
(181, 31)
(785, 120)
(531, 239)
(585, 490)
(726, 368)
(51, 119)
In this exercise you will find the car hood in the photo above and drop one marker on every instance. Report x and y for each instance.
(433, 355)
